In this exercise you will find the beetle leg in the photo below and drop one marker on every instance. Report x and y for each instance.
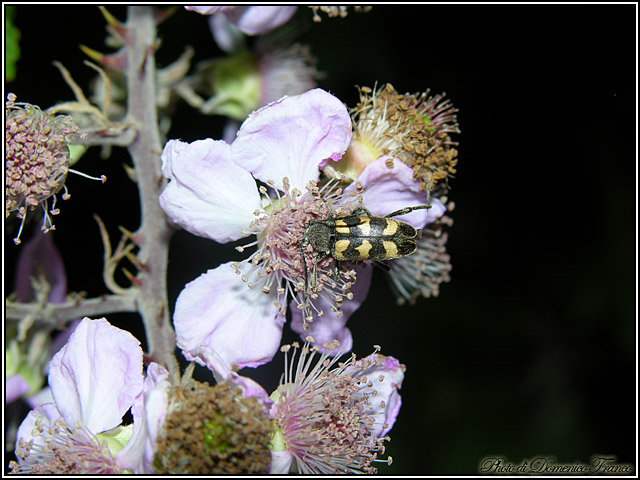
(319, 258)
(306, 276)
(361, 210)
(315, 274)
(336, 272)
(404, 211)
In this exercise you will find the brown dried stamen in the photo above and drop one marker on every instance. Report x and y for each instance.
(214, 430)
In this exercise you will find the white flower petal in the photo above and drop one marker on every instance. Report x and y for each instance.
(149, 412)
(280, 462)
(97, 375)
(385, 379)
(207, 195)
(387, 190)
(219, 310)
(292, 136)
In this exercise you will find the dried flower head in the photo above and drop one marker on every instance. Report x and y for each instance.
(413, 128)
(420, 274)
(36, 160)
(213, 430)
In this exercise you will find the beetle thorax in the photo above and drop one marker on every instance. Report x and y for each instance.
(319, 235)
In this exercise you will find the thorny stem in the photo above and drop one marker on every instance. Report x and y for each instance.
(53, 315)
(154, 232)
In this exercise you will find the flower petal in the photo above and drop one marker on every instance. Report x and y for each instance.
(149, 412)
(292, 136)
(208, 9)
(41, 397)
(228, 37)
(15, 387)
(97, 375)
(258, 19)
(207, 195)
(281, 462)
(385, 376)
(39, 256)
(43, 415)
(251, 20)
(219, 311)
(387, 190)
(329, 326)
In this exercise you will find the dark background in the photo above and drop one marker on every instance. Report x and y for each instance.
(530, 349)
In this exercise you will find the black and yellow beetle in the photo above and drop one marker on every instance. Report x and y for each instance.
(360, 236)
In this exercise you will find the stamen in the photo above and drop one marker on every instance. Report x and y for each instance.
(102, 178)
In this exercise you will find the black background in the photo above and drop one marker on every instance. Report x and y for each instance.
(529, 350)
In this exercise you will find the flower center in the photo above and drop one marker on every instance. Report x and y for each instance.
(64, 450)
(284, 262)
(214, 430)
(322, 413)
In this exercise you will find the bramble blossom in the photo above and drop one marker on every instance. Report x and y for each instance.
(333, 416)
(194, 428)
(94, 380)
(213, 193)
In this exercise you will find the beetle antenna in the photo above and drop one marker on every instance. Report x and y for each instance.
(404, 211)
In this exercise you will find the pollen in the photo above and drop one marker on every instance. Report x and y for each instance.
(414, 128)
(322, 411)
(36, 158)
(36, 161)
(62, 449)
(279, 261)
(214, 430)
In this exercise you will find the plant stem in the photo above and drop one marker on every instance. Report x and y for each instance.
(53, 315)
(154, 233)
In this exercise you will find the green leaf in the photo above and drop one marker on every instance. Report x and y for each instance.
(12, 49)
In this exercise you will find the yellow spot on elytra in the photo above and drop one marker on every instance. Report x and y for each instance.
(391, 249)
(391, 228)
(339, 247)
(363, 249)
(365, 226)
(341, 227)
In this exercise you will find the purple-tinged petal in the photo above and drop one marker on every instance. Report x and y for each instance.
(97, 375)
(227, 36)
(149, 411)
(387, 190)
(15, 387)
(385, 379)
(208, 9)
(251, 20)
(39, 256)
(43, 415)
(207, 195)
(219, 310)
(222, 372)
(329, 326)
(251, 388)
(292, 136)
(63, 337)
(280, 462)
(40, 398)
(259, 19)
